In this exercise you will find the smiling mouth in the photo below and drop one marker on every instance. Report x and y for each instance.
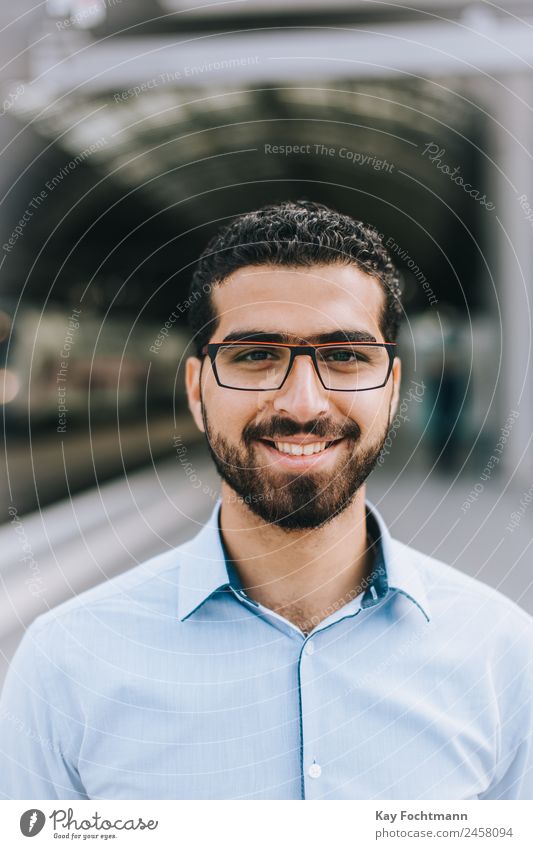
(301, 449)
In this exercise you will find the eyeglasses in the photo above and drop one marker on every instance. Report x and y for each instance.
(262, 367)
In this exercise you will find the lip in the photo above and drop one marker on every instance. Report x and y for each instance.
(291, 461)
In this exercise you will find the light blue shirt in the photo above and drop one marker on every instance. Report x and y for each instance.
(168, 682)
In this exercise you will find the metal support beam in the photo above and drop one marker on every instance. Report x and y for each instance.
(428, 49)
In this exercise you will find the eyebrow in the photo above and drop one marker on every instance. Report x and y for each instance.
(289, 338)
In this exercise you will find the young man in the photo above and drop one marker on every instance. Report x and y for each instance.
(292, 649)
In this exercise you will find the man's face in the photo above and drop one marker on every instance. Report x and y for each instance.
(242, 427)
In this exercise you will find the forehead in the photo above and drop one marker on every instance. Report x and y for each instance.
(301, 301)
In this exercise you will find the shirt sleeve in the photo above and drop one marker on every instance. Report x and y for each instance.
(517, 780)
(33, 759)
(513, 777)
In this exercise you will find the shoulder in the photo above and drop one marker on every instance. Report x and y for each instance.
(468, 607)
(151, 587)
(444, 582)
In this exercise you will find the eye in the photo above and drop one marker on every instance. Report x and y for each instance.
(341, 356)
(346, 355)
(254, 356)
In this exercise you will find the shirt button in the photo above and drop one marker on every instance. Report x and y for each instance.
(315, 771)
(309, 647)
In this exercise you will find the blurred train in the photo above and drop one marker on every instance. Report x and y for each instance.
(66, 362)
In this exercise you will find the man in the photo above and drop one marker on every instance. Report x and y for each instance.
(292, 649)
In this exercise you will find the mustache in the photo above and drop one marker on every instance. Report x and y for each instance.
(279, 427)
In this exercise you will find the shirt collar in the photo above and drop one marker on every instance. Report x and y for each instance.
(205, 569)
(203, 566)
(397, 562)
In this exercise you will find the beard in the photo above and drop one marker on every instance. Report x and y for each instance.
(294, 500)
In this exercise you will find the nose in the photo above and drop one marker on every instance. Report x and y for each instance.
(302, 396)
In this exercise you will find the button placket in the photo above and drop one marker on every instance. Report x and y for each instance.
(309, 648)
(310, 699)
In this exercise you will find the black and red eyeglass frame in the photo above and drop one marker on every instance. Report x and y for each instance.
(212, 348)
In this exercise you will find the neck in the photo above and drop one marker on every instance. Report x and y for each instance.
(304, 575)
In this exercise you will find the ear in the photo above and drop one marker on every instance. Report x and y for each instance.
(193, 368)
(396, 381)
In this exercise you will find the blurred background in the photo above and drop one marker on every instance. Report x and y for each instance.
(130, 130)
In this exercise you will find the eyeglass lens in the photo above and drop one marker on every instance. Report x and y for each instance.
(348, 367)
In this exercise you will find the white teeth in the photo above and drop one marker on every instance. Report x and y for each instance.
(297, 450)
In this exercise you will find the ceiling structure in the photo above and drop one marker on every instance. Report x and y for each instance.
(167, 164)
(178, 103)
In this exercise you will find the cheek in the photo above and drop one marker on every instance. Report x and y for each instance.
(232, 403)
(230, 411)
(367, 409)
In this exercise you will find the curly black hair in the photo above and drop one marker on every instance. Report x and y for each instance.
(291, 233)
